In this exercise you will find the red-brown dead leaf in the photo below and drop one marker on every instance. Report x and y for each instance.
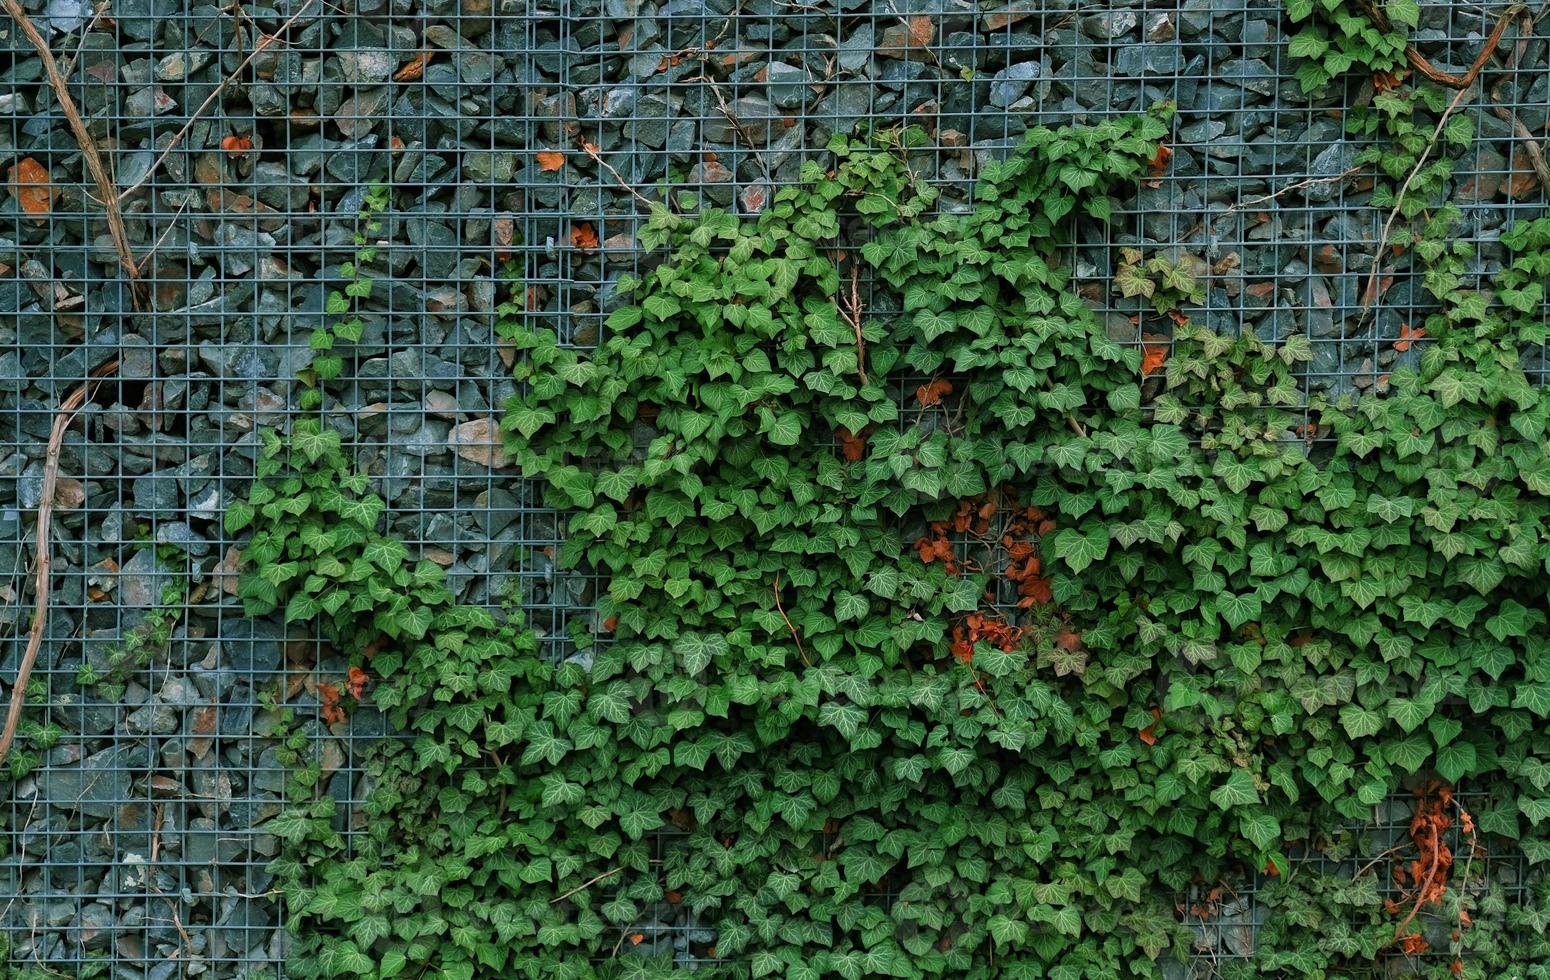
(932, 393)
(328, 699)
(1149, 733)
(32, 187)
(1159, 161)
(1407, 334)
(1154, 353)
(237, 145)
(356, 681)
(853, 446)
(637, 938)
(584, 236)
(550, 160)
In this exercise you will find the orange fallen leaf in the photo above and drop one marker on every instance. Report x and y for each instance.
(584, 236)
(1407, 335)
(1414, 944)
(550, 160)
(637, 938)
(1154, 353)
(1149, 733)
(610, 624)
(31, 186)
(1385, 81)
(356, 682)
(1160, 159)
(932, 393)
(853, 446)
(328, 699)
(237, 145)
(413, 68)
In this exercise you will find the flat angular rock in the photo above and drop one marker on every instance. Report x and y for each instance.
(479, 441)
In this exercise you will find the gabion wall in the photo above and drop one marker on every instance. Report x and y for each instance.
(241, 140)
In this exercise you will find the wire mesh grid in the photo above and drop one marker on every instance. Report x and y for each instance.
(240, 141)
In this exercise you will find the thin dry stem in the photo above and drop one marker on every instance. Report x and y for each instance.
(204, 106)
(586, 884)
(1531, 147)
(782, 610)
(591, 151)
(852, 316)
(1420, 63)
(83, 138)
(1300, 185)
(41, 580)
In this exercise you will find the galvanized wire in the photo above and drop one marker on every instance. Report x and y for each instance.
(135, 846)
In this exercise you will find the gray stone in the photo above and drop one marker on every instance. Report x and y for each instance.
(142, 580)
(13, 377)
(1334, 159)
(855, 49)
(95, 927)
(788, 84)
(152, 719)
(99, 783)
(1250, 73)
(251, 646)
(65, 16)
(1149, 59)
(270, 774)
(1202, 132)
(1318, 305)
(438, 247)
(1011, 82)
(367, 65)
(179, 534)
(1109, 25)
(140, 19)
(753, 117)
(155, 493)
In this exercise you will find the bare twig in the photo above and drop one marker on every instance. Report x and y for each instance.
(150, 878)
(91, 156)
(587, 884)
(1420, 890)
(62, 422)
(1531, 147)
(852, 316)
(591, 151)
(1419, 61)
(1300, 185)
(1469, 861)
(737, 124)
(781, 609)
(140, 266)
(264, 42)
(1377, 860)
(1370, 295)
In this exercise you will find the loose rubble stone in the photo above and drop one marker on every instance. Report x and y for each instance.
(447, 102)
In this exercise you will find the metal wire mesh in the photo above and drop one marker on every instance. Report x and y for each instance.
(242, 139)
